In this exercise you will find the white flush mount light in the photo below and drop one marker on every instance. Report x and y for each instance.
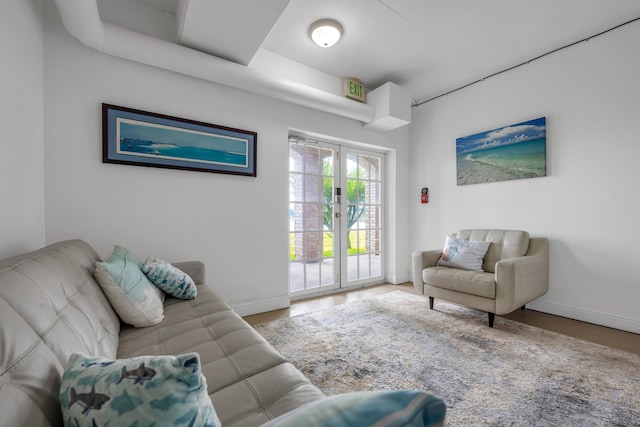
(325, 32)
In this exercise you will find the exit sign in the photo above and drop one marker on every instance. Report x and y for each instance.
(353, 89)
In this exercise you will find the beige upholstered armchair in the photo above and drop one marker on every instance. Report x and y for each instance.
(515, 271)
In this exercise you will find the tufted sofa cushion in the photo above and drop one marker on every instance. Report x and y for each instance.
(50, 307)
(504, 244)
(249, 382)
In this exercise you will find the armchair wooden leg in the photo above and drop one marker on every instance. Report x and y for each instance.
(431, 303)
(492, 317)
(522, 308)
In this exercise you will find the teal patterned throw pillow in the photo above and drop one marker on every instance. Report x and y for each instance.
(141, 391)
(173, 281)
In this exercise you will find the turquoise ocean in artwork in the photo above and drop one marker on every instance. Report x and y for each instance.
(187, 153)
(152, 140)
(516, 161)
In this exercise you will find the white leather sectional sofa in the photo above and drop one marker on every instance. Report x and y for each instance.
(51, 307)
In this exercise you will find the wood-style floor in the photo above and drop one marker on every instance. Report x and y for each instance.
(622, 340)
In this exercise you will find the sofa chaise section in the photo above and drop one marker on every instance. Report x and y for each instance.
(249, 381)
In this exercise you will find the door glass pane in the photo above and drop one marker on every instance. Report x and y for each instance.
(355, 243)
(312, 159)
(313, 246)
(296, 219)
(313, 188)
(327, 273)
(328, 244)
(373, 241)
(354, 191)
(374, 168)
(373, 217)
(295, 240)
(312, 217)
(363, 167)
(376, 265)
(296, 187)
(328, 216)
(372, 195)
(312, 279)
(363, 267)
(352, 268)
(327, 162)
(296, 156)
(352, 162)
(328, 191)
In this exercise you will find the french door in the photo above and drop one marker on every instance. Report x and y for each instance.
(335, 213)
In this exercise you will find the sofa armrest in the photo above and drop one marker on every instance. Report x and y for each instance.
(520, 280)
(420, 261)
(195, 269)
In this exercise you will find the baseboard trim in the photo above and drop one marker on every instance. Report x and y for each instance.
(603, 319)
(262, 306)
(396, 279)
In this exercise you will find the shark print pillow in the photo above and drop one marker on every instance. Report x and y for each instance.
(145, 390)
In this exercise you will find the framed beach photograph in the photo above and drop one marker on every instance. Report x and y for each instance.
(141, 138)
(517, 151)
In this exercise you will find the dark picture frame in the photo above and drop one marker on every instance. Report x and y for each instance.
(143, 138)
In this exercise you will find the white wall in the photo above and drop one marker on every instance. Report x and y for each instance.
(22, 122)
(237, 225)
(588, 205)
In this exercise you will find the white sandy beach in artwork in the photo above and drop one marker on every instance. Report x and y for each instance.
(519, 161)
(512, 152)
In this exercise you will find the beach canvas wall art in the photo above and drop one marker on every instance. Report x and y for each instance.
(517, 151)
(142, 138)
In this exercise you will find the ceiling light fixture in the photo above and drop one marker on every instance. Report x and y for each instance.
(325, 32)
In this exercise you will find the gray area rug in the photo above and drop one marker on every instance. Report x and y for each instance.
(511, 375)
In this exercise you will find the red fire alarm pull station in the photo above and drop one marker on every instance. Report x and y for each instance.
(424, 197)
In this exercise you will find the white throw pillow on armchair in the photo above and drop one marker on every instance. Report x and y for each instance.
(464, 254)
